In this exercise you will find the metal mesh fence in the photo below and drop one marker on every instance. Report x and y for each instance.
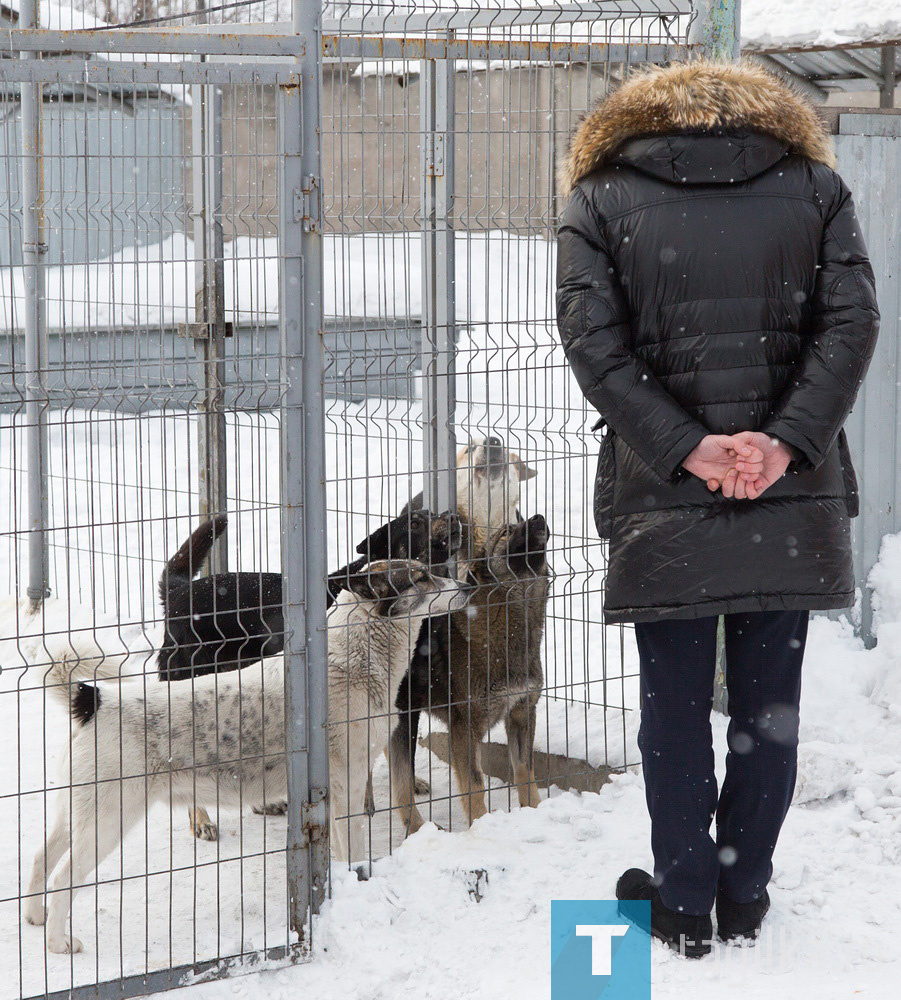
(158, 272)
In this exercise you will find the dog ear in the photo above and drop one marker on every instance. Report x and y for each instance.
(371, 586)
(523, 470)
(376, 545)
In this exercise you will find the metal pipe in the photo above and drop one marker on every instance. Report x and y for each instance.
(438, 285)
(889, 78)
(303, 474)
(34, 250)
(209, 330)
(716, 26)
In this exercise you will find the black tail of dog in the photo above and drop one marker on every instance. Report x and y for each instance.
(185, 564)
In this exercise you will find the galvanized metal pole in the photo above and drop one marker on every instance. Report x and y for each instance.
(717, 26)
(34, 250)
(209, 329)
(438, 284)
(889, 79)
(303, 472)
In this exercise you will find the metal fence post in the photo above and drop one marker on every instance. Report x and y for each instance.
(209, 329)
(716, 25)
(34, 249)
(437, 106)
(889, 79)
(303, 499)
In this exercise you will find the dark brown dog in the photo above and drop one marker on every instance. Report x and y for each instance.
(481, 666)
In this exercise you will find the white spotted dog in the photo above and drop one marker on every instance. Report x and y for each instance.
(372, 635)
(220, 738)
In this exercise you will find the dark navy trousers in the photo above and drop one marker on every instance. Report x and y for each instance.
(764, 651)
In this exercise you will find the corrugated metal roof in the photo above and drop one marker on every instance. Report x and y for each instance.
(838, 69)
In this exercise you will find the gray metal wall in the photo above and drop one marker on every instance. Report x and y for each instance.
(869, 159)
(113, 176)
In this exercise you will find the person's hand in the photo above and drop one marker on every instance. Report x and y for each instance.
(751, 479)
(718, 455)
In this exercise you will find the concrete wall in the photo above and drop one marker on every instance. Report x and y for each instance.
(512, 125)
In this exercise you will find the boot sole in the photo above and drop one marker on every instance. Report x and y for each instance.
(692, 951)
(750, 935)
(689, 951)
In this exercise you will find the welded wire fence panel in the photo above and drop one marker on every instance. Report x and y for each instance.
(161, 332)
(106, 772)
(444, 127)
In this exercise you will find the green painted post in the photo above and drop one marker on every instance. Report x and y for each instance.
(716, 25)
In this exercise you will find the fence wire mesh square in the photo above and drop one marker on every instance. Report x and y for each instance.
(198, 330)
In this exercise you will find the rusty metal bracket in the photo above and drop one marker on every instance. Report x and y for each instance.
(314, 816)
(204, 331)
(434, 154)
(307, 204)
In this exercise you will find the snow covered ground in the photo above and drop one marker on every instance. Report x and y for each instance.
(123, 497)
(415, 929)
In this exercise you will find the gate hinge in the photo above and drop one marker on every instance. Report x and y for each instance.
(313, 815)
(306, 207)
(434, 154)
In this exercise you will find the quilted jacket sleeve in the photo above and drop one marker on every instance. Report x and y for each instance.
(845, 324)
(593, 319)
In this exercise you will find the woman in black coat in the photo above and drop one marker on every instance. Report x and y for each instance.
(717, 307)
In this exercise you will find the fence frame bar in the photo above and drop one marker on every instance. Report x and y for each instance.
(437, 108)
(209, 329)
(34, 251)
(303, 498)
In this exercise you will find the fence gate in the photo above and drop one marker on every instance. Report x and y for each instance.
(299, 276)
(160, 362)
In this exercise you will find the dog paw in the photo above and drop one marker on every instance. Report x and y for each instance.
(35, 913)
(205, 831)
(271, 809)
(64, 945)
(363, 872)
(421, 786)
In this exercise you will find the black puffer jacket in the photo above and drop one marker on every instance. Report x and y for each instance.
(712, 278)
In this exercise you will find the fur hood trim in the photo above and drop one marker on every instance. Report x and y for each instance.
(696, 96)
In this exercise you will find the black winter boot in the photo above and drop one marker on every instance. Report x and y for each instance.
(689, 935)
(740, 920)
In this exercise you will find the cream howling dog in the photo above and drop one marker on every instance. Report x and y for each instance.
(488, 488)
(221, 737)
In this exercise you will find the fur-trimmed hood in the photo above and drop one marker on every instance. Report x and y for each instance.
(696, 96)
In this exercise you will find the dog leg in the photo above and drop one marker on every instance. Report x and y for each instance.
(520, 726)
(98, 821)
(402, 783)
(370, 798)
(357, 848)
(338, 809)
(46, 859)
(466, 759)
(271, 809)
(201, 825)
(420, 786)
